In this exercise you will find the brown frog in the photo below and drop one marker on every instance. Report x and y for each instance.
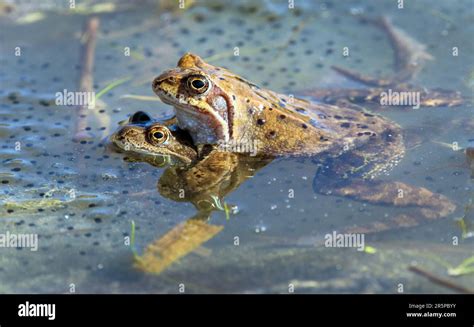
(276, 124)
(218, 107)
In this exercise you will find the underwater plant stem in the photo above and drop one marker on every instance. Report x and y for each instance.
(132, 238)
(86, 79)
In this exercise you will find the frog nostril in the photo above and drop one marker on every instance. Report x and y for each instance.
(156, 83)
(163, 79)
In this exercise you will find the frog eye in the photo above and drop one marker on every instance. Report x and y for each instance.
(197, 84)
(159, 135)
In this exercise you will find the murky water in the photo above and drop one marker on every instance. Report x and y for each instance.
(80, 198)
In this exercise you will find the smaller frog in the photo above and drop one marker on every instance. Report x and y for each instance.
(142, 135)
(205, 179)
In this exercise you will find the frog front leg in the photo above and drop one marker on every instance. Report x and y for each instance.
(422, 205)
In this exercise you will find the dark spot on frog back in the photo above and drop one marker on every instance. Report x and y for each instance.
(368, 134)
(271, 134)
(345, 125)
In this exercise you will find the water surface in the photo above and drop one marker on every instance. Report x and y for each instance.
(81, 236)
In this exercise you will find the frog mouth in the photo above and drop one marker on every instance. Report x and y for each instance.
(118, 140)
(166, 97)
(129, 139)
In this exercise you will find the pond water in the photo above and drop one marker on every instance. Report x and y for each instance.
(80, 198)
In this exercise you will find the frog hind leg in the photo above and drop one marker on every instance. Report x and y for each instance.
(422, 205)
(371, 97)
(409, 58)
(362, 78)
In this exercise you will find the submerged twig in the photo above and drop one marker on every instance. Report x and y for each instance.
(86, 79)
(440, 281)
